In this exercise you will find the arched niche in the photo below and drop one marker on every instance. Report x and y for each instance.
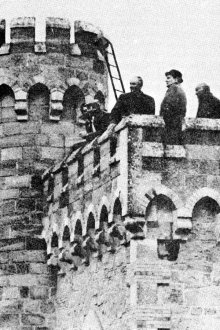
(66, 236)
(103, 221)
(78, 228)
(204, 219)
(38, 102)
(90, 227)
(72, 100)
(54, 241)
(117, 211)
(7, 103)
(160, 215)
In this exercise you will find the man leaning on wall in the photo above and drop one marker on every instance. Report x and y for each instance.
(135, 102)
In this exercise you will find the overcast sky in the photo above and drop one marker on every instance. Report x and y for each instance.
(150, 37)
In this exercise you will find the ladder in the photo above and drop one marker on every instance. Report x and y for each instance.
(108, 52)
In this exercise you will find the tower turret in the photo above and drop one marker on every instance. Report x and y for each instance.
(42, 87)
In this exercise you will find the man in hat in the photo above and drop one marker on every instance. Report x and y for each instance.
(94, 114)
(173, 108)
(135, 102)
(209, 105)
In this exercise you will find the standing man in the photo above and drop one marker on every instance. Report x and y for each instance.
(173, 108)
(135, 102)
(209, 105)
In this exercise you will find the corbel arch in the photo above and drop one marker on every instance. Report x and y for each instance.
(103, 203)
(152, 192)
(91, 209)
(199, 194)
(117, 195)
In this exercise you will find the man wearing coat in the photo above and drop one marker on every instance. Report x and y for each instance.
(209, 105)
(173, 108)
(135, 102)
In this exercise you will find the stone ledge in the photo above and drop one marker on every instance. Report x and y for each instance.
(204, 124)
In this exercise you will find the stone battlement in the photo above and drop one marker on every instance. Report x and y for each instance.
(22, 36)
(113, 182)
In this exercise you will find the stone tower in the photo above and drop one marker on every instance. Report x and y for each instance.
(42, 86)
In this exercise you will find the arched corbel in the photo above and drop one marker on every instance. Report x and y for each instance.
(21, 107)
(56, 104)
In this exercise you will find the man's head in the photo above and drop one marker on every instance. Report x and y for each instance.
(202, 89)
(173, 77)
(91, 103)
(136, 84)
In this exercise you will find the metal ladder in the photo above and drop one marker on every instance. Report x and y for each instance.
(108, 52)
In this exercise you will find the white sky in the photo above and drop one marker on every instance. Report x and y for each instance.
(150, 37)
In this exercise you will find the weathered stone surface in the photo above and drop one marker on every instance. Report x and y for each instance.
(32, 319)
(39, 292)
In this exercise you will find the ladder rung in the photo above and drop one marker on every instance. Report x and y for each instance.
(109, 52)
(119, 91)
(113, 65)
(115, 78)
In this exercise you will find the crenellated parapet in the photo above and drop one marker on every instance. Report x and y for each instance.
(107, 192)
(56, 35)
(54, 60)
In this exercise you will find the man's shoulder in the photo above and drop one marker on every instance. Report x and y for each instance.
(148, 97)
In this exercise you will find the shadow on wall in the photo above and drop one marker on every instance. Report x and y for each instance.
(204, 219)
(72, 100)
(7, 103)
(38, 102)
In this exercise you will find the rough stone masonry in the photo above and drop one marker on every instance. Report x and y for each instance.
(112, 234)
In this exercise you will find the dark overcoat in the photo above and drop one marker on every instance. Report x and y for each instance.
(173, 110)
(209, 106)
(132, 103)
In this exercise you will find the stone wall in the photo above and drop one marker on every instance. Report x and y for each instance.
(165, 204)
(42, 86)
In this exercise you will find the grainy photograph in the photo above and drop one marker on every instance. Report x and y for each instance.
(109, 165)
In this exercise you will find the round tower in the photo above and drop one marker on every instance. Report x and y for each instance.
(42, 87)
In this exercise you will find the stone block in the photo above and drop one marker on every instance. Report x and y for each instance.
(213, 181)
(11, 128)
(11, 153)
(194, 182)
(7, 321)
(17, 141)
(52, 153)
(47, 307)
(39, 292)
(42, 140)
(38, 268)
(146, 293)
(31, 306)
(27, 279)
(56, 140)
(152, 149)
(9, 194)
(8, 208)
(40, 47)
(203, 152)
(32, 319)
(18, 181)
(31, 153)
(27, 256)
(11, 293)
(7, 306)
(88, 158)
